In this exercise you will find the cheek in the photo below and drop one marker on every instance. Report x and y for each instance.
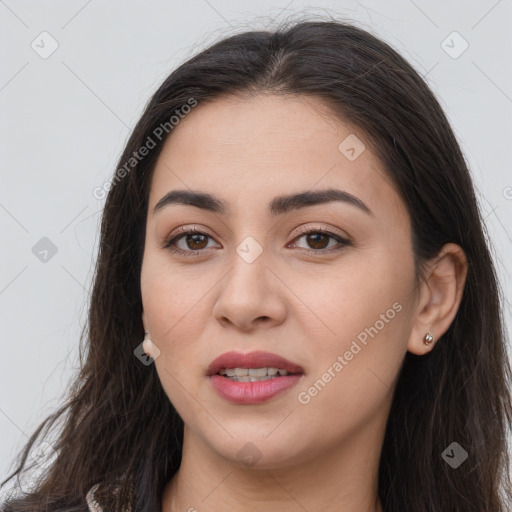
(172, 298)
(175, 307)
(175, 329)
(344, 300)
(366, 315)
(353, 377)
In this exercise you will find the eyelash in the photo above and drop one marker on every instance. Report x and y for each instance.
(170, 243)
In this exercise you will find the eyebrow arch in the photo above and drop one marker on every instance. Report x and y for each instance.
(278, 206)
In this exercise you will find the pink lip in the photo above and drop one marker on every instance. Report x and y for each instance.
(252, 392)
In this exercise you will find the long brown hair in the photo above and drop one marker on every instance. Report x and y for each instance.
(117, 426)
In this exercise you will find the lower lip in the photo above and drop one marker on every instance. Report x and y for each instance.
(252, 392)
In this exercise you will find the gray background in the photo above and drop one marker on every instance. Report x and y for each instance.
(66, 117)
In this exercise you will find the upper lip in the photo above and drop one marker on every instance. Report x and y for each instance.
(255, 359)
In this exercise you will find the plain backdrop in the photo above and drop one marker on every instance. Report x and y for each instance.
(74, 78)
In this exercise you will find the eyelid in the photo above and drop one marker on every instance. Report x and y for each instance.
(187, 228)
(169, 242)
(307, 228)
(342, 240)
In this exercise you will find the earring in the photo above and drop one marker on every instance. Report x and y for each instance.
(147, 344)
(428, 339)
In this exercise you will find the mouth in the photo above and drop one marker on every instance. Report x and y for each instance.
(253, 377)
(257, 365)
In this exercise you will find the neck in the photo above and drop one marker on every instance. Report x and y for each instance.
(343, 478)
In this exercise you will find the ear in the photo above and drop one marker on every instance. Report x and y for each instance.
(439, 297)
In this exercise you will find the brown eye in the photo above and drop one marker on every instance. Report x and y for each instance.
(196, 241)
(189, 243)
(317, 240)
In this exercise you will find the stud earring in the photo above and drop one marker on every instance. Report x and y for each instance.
(147, 344)
(428, 339)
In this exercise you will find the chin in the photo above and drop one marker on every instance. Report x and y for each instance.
(256, 450)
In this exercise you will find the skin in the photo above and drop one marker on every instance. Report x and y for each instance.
(307, 307)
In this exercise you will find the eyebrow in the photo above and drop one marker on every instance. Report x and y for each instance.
(278, 206)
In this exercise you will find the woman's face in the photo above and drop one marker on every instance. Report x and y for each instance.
(328, 285)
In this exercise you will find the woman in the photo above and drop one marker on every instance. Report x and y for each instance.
(294, 305)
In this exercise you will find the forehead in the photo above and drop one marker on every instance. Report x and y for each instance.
(252, 149)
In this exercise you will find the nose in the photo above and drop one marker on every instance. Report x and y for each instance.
(250, 296)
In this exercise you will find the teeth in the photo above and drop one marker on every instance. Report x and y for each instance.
(246, 378)
(252, 374)
(257, 372)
